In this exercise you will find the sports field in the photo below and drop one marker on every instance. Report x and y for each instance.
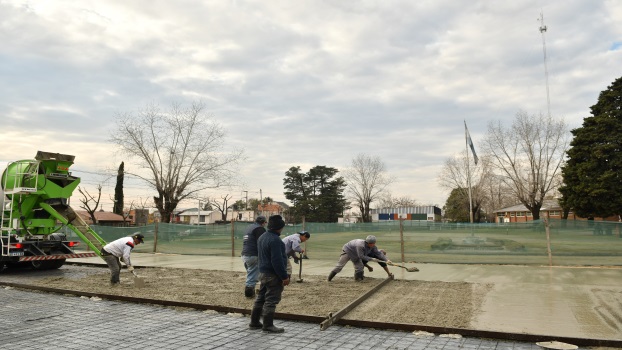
(572, 242)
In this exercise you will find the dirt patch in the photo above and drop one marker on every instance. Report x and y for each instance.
(441, 304)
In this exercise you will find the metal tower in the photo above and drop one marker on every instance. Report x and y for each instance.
(546, 70)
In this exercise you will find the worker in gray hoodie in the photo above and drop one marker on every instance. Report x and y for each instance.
(359, 251)
(292, 246)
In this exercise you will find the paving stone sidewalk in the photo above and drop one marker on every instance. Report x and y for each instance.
(33, 320)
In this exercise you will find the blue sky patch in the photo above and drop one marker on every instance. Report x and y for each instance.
(616, 46)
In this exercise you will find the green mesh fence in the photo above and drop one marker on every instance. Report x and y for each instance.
(571, 242)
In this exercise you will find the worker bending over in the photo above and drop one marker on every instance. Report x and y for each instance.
(359, 251)
(292, 246)
(120, 249)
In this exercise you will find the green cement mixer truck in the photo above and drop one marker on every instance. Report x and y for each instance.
(35, 209)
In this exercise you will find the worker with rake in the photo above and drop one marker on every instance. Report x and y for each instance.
(359, 251)
(292, 247)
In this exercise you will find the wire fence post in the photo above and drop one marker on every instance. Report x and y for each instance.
(155, 238)
(402, 238)
(232, 238)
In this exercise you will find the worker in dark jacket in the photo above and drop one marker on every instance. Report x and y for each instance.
(272, 276)
(359, 252)
(249, 254)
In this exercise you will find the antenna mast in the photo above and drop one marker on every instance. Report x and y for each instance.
(546, 70)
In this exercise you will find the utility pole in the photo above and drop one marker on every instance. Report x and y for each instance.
(199, 213)
(546, 70)
(261, 201)
(246, 207)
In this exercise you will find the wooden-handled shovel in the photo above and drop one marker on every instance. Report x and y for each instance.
(138, 281)
(300, 269)
(409, 269)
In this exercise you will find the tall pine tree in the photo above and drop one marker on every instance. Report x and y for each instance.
(593, 174)
(118, 191)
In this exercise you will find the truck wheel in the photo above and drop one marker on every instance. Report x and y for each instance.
(55, 264)
(38, 265)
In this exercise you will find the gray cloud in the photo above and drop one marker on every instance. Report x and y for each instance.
(310, 83)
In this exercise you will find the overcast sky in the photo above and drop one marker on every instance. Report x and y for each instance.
(298, 83)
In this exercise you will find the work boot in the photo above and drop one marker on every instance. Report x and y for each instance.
(359, 276)
(255, 314)
(249, 292)
(331, 275)
(268, 324)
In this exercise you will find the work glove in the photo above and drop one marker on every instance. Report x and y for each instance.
(369, 268)
(130, 268)
(296, 259)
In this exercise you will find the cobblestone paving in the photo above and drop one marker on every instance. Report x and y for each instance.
(32, 320)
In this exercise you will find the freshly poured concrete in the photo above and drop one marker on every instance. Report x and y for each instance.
(553, 301)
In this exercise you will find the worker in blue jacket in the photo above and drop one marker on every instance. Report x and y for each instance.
(272, 276)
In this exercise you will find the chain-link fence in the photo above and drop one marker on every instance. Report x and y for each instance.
(571, 242)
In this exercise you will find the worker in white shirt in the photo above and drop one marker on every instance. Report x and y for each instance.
(119, 250)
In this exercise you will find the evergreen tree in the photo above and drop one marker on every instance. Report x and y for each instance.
(593, 174)
(456, 208)
(118, 191)
(317, 195)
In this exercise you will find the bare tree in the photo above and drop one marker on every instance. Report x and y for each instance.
(367, 179)
(182, 151)
(496, 196)
(454, 177)
(125, 212)
(144, 203)
(528, 155)
(387, 200)
(89, 202)
(404, 202)
(222, 205)
(141, 211)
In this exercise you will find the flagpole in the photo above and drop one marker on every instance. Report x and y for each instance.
(466, 141)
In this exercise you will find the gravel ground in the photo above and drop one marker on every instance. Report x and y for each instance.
(441, 304)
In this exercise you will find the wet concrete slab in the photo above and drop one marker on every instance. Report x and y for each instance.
(579, 302)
